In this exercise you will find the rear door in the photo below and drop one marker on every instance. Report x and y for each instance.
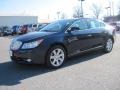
(97, 33)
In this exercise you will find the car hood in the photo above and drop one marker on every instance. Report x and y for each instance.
(33, 35)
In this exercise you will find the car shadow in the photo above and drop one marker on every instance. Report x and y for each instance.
(12, 74)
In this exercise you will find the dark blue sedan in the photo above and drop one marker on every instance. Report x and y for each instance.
(62, 39)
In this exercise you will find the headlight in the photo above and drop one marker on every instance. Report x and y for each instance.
(15, 45)
(31, 44)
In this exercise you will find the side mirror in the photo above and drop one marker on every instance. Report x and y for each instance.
(74, 29)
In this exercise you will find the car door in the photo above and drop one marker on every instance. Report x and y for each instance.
(97, 33)
(78, 40)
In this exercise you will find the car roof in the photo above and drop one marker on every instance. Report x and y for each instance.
(74, 19)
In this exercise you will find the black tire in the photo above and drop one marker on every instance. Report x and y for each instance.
(106, 48)
(48, 60)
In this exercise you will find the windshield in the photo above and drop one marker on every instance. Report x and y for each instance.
(57, 26)
(41, 26)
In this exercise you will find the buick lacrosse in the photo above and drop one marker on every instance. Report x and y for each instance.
(61, 39)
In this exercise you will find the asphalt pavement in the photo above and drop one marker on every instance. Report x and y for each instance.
(91, 71)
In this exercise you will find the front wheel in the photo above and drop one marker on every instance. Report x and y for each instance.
(56, 57)
(108, 45)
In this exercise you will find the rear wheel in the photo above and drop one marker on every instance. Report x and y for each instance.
(108, 45)
(56, 57)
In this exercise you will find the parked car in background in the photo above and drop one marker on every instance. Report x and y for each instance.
(24, 29)
(34, 27)
(118, 24)
(62, 39)
(5, 30)
(29, 28)
(19, 30)
(115, 25)
(15, 30)
(0, 31)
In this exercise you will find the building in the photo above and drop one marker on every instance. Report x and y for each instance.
(17, 20)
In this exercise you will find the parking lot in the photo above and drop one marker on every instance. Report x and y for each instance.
(91, 71)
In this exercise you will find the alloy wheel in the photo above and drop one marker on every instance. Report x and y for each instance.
(109, 45)
(57, 57)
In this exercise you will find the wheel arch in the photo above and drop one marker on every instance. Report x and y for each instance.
(112, 37)
(59, 44)
(52, 46)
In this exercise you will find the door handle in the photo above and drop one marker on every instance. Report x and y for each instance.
(89, 35)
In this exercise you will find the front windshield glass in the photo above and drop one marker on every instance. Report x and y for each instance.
(57, 26)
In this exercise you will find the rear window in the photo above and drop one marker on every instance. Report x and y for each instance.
(96, 24)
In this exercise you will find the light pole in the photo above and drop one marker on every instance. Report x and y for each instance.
(107, 8)
(82, 15)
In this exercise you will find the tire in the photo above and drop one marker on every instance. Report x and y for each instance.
(108, 45)
(56, 57)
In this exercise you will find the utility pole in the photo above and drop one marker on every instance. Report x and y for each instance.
(82, 13)
(48, 16)
(111, 4)
(107, 9)
(112, 7)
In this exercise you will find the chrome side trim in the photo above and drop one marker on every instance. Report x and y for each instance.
(78, 51)
(91, 49)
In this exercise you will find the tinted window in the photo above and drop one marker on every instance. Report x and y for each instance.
(94, 24)
(102, 24)
(97, 24)
(81, 24)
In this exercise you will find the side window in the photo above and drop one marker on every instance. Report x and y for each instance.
(94, 24)
(97, 23)
(102, 24)
(81, 24)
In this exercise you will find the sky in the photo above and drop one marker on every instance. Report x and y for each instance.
(48, 8)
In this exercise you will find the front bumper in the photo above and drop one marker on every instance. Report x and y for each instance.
(32, 56)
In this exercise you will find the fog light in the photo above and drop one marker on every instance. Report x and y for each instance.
(29, 60)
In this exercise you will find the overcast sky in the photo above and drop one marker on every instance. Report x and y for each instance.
(43, 8)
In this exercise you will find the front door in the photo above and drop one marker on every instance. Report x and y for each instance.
(78, 40)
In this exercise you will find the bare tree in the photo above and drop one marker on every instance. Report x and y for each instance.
(96, 9)
(77, 12)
